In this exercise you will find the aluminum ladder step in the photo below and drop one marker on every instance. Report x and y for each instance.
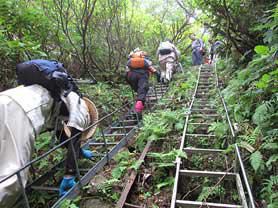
(122, 127)
(201, 150)
(195, 204)
(200, 135)
(204, 173)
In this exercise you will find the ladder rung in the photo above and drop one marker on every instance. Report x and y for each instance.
(199, 109)
(202, 105)
(102, 143)
(207, 173)
(203, 124)
(45, 188)
(206, 83)
(200, 135)
(125, 121)
(194, 204)
(112, 135)
(122, 127)
(205, 115)
(200, 150)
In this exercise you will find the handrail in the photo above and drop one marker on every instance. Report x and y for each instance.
(60, 145)
(92, 170)
(242, 168)
(251, 199)
(223, 102)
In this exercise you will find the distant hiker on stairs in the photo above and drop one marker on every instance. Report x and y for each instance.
(168, 56)
(215, 49)
(139, 67)
(198, 49)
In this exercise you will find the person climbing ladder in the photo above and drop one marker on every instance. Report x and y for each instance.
(138, 69)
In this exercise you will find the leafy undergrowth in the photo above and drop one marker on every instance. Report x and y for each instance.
(252, 97)
(107, 100)
(153, 186)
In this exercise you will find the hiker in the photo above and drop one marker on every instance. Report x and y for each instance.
(198, 49)
(139, 67)
(53, 76)
(214, 49)
(168, 56)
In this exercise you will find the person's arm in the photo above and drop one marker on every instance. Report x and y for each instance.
(202, 45)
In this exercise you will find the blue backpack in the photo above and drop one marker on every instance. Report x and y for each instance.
(48, 73)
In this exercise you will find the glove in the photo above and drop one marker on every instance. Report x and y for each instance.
(158, 76)
(66, 184)
(86, 153)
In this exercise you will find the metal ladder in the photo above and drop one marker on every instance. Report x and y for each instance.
(197, 141)
(113, 134)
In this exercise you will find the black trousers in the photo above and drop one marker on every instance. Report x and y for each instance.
(139, 82)
(70, 168)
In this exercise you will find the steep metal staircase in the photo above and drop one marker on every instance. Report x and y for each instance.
(199, 142)
(115, 130)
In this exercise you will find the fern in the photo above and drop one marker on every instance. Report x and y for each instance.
(256, 160)
(210, 191)
(220, 129)
(106, 186)
(253, 137)
(263, 114)
(271, 160)
(124, 159)
(270, 146)
(163, 160)
(269, 192)
(136, 164)
(165, 183)
(118, 171)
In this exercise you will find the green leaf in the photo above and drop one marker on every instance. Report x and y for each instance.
(167, 182)
(262, 50)
(247, 146)
(137, 164)
(118, 172)
(272, 159)
(256, 160)
(270, 146)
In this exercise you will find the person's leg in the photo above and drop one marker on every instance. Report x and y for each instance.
(199, 57)
(162, 65)
(169, 70)
(143, 87)
(194, 58)
(70, 169)
(132, 80)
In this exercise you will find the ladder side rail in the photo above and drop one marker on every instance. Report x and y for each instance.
(178, 159)
(238, 156)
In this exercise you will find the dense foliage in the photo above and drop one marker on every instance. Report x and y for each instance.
(94, 37)
(252, 98)
(90, 37)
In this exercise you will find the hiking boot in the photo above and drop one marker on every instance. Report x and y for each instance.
(139, 106)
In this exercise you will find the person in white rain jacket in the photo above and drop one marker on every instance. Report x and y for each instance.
(168, 56)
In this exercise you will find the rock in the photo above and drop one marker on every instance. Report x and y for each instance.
(98, 179)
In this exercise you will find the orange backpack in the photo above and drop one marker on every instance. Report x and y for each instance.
(137, 60)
